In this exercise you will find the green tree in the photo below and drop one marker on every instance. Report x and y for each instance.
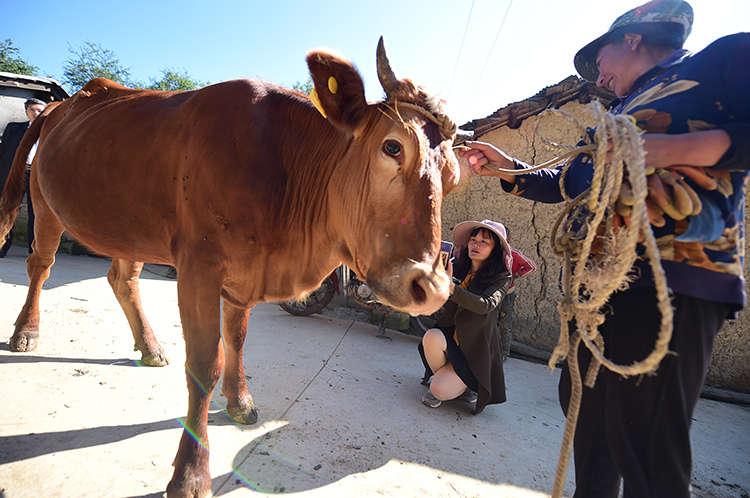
(11, 62)
(93, 61)
(172, 80)
(306, 87)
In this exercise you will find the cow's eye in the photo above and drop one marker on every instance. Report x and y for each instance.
(392, 148)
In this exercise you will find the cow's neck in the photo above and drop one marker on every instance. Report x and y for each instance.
(306, 208)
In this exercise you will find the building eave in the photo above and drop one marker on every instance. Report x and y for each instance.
(513, 115)
(34, 83)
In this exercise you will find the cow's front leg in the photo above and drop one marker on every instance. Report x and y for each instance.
(123, 278)
(240, 404)
(199, 299)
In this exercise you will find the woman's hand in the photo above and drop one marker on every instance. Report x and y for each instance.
(480, 154)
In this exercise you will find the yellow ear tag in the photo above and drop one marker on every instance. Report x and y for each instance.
(316, 101)
(333, 85)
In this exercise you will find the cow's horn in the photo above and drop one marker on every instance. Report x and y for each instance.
(385, 72)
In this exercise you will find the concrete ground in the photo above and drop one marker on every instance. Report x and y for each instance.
(340, 410)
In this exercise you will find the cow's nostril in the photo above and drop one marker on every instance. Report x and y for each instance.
(420, 295)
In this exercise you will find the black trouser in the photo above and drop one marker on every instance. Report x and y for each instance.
(6, 245)
(505, 321)
(9, 240)
(30, 225)
(638, 428)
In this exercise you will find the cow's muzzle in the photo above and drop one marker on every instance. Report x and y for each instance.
(414, 288)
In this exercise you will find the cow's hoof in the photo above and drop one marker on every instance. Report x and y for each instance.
(155, 360)
(245, 414)
(189, 486)
(25, 340)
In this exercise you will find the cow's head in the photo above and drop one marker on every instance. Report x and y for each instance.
(397, 167)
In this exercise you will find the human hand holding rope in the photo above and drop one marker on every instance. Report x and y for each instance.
(487, 160)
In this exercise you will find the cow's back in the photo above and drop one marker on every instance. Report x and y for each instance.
(133, 173)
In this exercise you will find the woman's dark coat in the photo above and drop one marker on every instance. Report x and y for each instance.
(11, 139)
(475, 311)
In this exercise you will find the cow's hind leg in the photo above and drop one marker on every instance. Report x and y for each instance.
(199, 292)
(240, 404)
(46, 241)
(123, 278)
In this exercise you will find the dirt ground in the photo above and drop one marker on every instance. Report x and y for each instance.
(340, 410)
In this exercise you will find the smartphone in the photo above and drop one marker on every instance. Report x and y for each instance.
(446, 252)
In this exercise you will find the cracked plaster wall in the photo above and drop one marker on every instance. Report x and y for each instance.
(536, 321)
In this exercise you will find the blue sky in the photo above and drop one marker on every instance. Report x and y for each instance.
(428, 41)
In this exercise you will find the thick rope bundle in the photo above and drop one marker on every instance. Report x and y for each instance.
(604, 254)
(589, 286)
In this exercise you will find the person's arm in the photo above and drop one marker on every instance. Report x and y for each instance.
(702, 149)
(737, 158)
(542, 185)
(736, 74)
(5, 140)
(490, 298)
(726, 147)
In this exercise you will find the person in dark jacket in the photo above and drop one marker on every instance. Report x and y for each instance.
(694, 109)
(11, 139)
(463, 353)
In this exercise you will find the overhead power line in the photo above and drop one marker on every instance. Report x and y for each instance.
(455, 70)
(489, 55)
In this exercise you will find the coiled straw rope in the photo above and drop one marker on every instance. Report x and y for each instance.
(587, 286)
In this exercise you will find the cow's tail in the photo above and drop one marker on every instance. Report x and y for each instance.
(10, 201)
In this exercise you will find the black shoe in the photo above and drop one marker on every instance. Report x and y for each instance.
(430, 400)
(468, 396)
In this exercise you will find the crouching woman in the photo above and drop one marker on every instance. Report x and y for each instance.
(463, 353)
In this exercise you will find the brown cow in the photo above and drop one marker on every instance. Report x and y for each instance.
(252, 195)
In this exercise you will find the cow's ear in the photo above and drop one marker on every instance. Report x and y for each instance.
(339, 92)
